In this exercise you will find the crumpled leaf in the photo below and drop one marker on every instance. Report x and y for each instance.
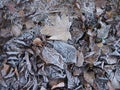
(101, 83)
(37, 42)
(76, 29)
(117, 73)
(110, 86)
(72, 81)
(42, 88)
(5, 69)
(29, 24)
(103, 31)
(67, 51)
(111, 60)
(80, 59)
(16, 30)
(115, 83)
(10, 74)
(60, 30)
(54, 72)
(2, 81)
(89, 77)
(61, 84)
(51, 56)
(28, 63)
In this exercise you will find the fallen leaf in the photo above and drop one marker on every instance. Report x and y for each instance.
(51, 56)
(89, 77)
(73, 82)
(62, 84)
(67, 51)
(21, 13)
(109, 14)
(99, 11)
(37, 42)
(29, 24)
(59, 31)
(117, 73)
(100, 45)
(11, 7)
(28, 63)
(103, 31)
(80, 59)
(2, 81)
(111, 60)
(16, 30)
(110, 86)
(5, 69)
(16, 72)
(54, 72)
(115, 83)
(42, 88)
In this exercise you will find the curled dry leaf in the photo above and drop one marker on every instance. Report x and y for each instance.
(21, 13)
(29, 24)
(5, 69)
(61, 84)
(80, 59)
(16, 30)
(59, 31)
(37, 42)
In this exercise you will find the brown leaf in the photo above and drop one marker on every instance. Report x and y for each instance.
(61, 84)
(89, 77)
(29, 24)
(37, 42)
(80, 59)
(21, 13)
(59, 31)
(5, 69)
(16, 30)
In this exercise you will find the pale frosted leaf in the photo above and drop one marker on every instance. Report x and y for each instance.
(59, 31)
(51, 56)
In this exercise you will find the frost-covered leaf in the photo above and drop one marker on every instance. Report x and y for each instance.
(89, 77)
(80, 59)
(73, 82)
(67, 51)
(51, 56)
(103, 31)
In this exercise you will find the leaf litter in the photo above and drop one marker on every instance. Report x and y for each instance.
(59, 45)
